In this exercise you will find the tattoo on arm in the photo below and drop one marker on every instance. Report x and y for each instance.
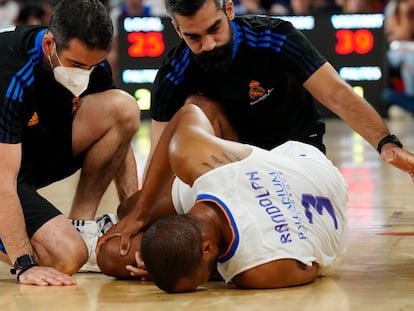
(207, 165)
(224, 158)
(216, 159)
(231, 157)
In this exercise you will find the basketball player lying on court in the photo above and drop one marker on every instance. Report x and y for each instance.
(264, 219)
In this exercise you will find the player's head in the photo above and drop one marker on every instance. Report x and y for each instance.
(172, 250)
(189, 8)
(205, 27)
(85, 20)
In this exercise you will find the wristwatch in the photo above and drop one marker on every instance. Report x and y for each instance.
(23, 263)
(389, 139)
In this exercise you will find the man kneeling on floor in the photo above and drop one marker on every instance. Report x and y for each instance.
(60, 113)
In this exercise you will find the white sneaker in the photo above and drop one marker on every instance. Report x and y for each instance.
(88, 229)
(105, 222)
(91, 231)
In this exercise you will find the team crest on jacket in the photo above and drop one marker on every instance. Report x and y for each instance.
(257, 92)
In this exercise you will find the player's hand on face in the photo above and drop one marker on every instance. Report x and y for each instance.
(125, 229)
(116, 231)
(139, 270)
(400, 158)
(45, 276)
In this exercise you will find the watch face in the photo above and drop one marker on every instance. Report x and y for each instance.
(24, 261)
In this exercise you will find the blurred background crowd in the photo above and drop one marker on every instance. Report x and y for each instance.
(38, 11)
(398, 94)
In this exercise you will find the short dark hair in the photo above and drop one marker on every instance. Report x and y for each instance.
(188, 7)
(86, 20)
(171, 250)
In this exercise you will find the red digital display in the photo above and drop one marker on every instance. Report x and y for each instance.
(360, 41)
(146, 44)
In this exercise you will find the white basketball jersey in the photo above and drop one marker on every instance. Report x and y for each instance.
(290, 202)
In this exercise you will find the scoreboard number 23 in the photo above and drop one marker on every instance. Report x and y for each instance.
(146, 44)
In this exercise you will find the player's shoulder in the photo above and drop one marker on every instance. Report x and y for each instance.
(18, 38)
(19, 32)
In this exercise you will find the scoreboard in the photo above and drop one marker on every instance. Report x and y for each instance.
(142, 43)
(353, 44)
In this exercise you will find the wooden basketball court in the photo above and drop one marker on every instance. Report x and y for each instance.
(377, 272)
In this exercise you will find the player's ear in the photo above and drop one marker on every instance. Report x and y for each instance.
(208, 250)
(229, 6)
(47, 43)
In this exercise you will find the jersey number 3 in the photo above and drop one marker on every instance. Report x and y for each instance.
(310, 202)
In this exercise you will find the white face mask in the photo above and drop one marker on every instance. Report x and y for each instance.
(74, 79)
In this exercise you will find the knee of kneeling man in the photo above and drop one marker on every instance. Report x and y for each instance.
(128, 112)
(120, 107)
(200, 100)
(211, 108)
(71, 258)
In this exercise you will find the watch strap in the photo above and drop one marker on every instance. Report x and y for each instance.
(23, 263)
(389, 139)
